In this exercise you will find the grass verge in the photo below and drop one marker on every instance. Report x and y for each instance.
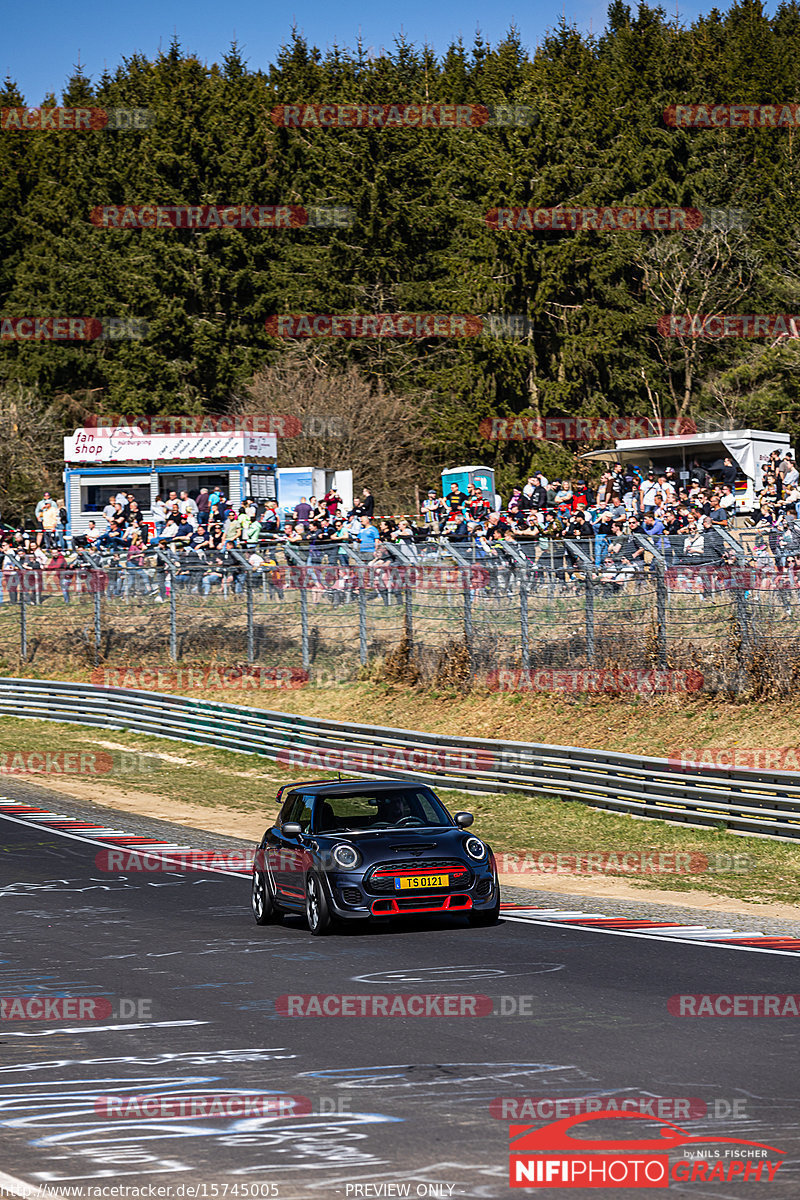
(234, 794)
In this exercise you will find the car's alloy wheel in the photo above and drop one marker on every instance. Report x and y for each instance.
(261, 901)
(318, 914)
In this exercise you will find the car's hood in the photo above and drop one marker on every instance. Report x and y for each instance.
(401, 843)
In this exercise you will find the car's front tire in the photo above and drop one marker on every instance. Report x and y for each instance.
(318, 913)
(261, 902)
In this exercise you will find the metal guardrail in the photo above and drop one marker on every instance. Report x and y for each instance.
(760, 803)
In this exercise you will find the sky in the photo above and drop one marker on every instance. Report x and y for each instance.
(40, 48)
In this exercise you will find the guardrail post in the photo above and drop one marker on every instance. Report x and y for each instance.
(589, 617)
(23, 620)
(173, 616)
(362, 617)
(524, 632)
(304, 618)
(250, 630)
(97, 630)
(661, 614)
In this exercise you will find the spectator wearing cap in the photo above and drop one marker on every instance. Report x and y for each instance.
(50, 520)
(232, 530)
(432, 508)
(647, 493)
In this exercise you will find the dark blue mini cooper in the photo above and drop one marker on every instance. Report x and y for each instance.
(371, 848)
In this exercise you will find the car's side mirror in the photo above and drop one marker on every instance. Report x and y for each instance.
(462, 819)
(292, 828)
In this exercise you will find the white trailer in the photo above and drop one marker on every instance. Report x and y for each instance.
(749, 448)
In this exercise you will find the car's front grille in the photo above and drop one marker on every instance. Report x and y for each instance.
(380, 880)
(351, 895)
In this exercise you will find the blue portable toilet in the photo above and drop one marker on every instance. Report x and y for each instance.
(479, 477)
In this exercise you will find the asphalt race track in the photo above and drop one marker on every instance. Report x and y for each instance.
(393, 1100)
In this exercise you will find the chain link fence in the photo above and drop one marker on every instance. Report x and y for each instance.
(517, 617)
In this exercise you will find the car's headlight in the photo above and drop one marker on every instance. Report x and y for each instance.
(346, 857)
(475, 848)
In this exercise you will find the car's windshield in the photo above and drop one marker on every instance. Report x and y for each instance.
(405, 808)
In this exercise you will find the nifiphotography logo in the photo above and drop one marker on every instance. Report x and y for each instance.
(550, 1157)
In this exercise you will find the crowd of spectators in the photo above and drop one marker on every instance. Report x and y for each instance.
(209, 543)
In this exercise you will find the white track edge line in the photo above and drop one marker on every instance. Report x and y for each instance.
(521, 920)
(76, 837)
(653, 937)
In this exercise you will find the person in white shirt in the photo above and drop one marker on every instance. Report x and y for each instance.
(668, 493)
(160, 515)
(529, 486)
(187, 505)
(727, 500)
(647, 492)
(110, 509)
